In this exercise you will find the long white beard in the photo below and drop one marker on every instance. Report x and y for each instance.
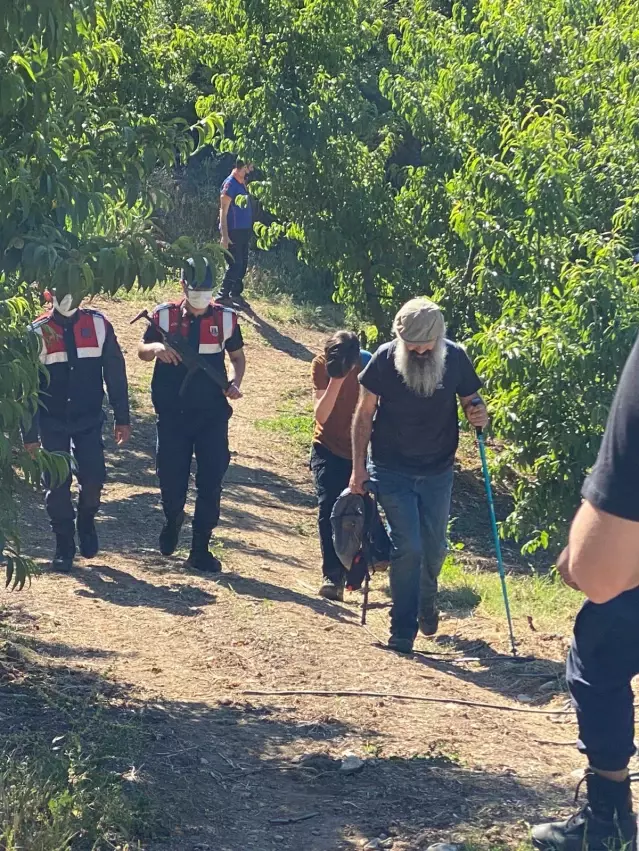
(421, 374)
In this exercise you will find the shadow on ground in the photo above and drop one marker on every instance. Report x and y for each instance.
(120, 588)
(230, 776)
(281, 342)
(494, 671)
(260, 590)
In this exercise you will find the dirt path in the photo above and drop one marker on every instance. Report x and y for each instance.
(180, 651)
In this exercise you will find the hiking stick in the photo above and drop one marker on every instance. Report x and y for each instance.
(495, 531)
(365, 600)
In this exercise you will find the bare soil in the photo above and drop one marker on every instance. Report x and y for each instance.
(178, 651)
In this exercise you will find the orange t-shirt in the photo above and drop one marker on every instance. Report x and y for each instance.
(335, 434)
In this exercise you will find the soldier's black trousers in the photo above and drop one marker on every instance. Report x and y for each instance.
(87, 462)
(179, 437)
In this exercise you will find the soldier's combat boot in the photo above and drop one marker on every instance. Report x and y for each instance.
(170, 534)
(64, 553)
(606, 823)
(87, 534)
(201, 558)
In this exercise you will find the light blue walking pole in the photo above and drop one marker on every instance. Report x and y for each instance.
(493, 523)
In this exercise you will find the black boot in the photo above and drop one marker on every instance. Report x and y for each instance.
(331, 590)
(400, 644)
(64, 553)
(606, 823)
(200, 557)
(428, 617)
(170, 534)
(87, 534)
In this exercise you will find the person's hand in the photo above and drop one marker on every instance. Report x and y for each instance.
(225, 242)
(32, 448)
(563, 563)
(166, 354)
(121, 433)
(477, 415)
(358, 480)
(338, 380)
(233, 392)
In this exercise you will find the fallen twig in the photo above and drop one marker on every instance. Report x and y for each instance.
(177, 753)
(416, 697)
(293, 820)
(555, 744)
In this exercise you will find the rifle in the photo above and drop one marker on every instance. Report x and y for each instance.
(191, 360)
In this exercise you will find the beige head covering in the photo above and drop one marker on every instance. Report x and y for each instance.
(419, 321)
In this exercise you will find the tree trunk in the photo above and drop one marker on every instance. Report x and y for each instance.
(373, 304)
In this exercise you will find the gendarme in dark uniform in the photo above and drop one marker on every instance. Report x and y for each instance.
(81, 353)
(193, 417)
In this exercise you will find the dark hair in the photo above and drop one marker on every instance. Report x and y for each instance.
(240, 163)
(345, 342)
(341, 352)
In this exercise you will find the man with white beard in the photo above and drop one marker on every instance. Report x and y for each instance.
(407, 410)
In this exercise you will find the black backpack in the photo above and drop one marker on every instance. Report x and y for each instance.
(360, 538)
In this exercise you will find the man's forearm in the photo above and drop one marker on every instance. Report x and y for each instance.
(147, 351)
(361, 435)
(325, 405)
(603, 554)
(238, 368)
(224, 225)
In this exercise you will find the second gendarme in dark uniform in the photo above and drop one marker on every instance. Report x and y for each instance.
(193, 417)
(80, 351)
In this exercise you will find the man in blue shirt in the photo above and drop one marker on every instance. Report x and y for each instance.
(236, 226)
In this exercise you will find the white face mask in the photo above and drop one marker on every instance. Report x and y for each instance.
(198, 299)
(64, 306)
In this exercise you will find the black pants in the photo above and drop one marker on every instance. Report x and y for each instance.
(603, 659)
(87, 462)
(179, 436)
(233, 283)
(331, 474)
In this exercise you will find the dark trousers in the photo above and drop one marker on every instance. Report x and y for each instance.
(233, 283)
(416, 509)
(331, 474)
(603, 659)
(87, 462)
(179, 436)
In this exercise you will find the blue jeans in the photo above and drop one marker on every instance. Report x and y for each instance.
(417, 510)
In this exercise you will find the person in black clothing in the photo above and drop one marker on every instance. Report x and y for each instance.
(80, 350)
(602, 560)
(193, 415)
(236, 227)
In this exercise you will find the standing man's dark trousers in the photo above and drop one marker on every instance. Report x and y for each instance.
(603, 659)
(233, 283)
(180, 435)
(331, 474)
(87, 462)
